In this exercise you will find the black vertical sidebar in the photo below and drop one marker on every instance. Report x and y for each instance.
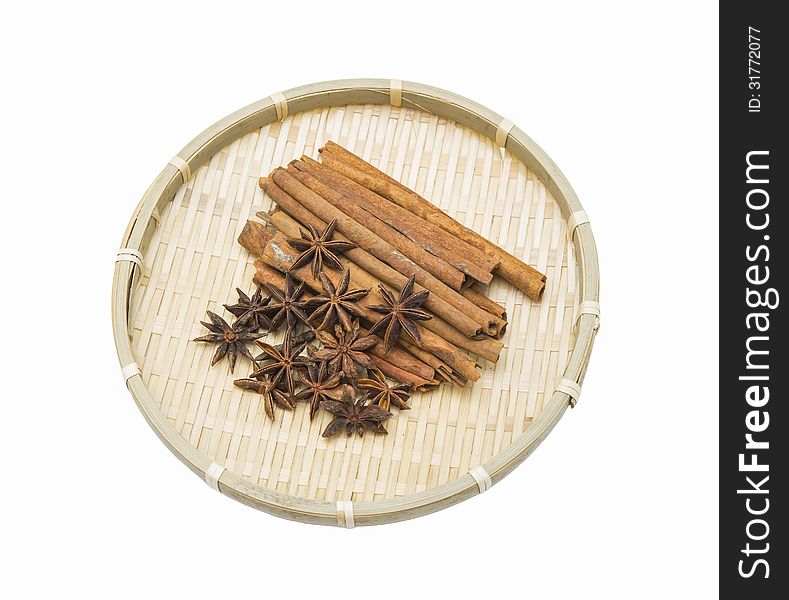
(753, 248)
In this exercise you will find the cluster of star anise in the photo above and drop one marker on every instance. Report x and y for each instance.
(328, 376)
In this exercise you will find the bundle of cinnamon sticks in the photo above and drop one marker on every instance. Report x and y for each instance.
(398, 235)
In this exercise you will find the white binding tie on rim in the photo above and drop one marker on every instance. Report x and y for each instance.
(280, 105)
(579, 217)
(482, 478)
(395, 92)
(590, 307)
(345, 514)
(130, 371)
(213, 474)
(183, 166)
(130, 255)
(572, 389)
(503, 132)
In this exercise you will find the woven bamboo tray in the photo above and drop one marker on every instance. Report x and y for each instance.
(179, 257)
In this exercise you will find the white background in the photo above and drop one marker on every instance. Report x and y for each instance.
(619, 502)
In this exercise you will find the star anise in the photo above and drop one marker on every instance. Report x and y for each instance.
(282, 364)
(251, 311)
(336, 303)
(319, 385)
(232, 339)
(400, 314)
(354, 416)
(319, 248)
(286, 305)
(344, 350)
(385, 395)
(271, 395)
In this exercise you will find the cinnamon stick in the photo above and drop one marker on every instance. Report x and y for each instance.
(518, 273)
(380, 258)
(396, 358)
(291, 209)
(415, 228)
(478, 297)
(471, 261)
(278, 253)
(441, 368)
(254, 237)
(434, 265)
(404, 361)
(486, 347)
(402, 376)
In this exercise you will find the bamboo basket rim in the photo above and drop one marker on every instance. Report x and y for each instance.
(343, 92)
